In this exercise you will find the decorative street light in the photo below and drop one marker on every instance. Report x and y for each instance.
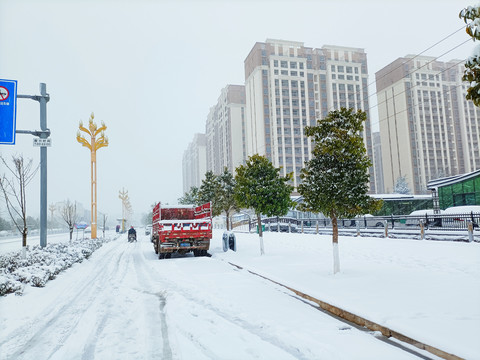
(126, 207)
(94, 144)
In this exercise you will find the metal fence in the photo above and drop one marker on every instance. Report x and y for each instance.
(445, 222)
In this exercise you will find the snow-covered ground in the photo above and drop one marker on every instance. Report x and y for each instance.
(124, 303)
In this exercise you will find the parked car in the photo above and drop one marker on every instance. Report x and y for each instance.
(464, 214)
(418, 214)
(371, 220)
(148, 229)
(283, 227)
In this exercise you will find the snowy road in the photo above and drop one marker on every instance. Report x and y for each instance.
(124, 303)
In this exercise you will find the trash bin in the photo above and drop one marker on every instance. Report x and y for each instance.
(232, 242)
(229, 241)
(225, 241)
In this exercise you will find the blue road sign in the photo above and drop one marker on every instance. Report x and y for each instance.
(8, 111)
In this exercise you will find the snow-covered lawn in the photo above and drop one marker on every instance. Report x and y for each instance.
(124, 303)
(428, 290)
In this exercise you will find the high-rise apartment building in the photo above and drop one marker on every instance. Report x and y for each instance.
(288, 86)
(225, 132)
(427, 128)
(377, 150)
(194, 163)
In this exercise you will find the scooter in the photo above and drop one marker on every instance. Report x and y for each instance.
(132, 237)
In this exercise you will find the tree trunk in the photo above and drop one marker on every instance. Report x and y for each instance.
(24, 244)
(336, 257)
(260, 234)
(228, 220)
(71, 234)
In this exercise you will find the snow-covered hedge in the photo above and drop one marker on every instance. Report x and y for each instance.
(42, 264)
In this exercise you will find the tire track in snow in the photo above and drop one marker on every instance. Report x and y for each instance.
(100, 324)
(253, 329)
(143, 273)
(58, 322)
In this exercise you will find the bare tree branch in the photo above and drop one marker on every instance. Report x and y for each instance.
(69, 215)
(14, 192)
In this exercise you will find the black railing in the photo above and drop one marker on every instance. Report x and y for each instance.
(430, 221)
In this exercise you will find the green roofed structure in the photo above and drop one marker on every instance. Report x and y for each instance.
(458, 190)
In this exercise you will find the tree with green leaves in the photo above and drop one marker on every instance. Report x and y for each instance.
(208, 192)
(189, 198)
(260, 187)
(225, 195)
(336, 179)
(471, 16)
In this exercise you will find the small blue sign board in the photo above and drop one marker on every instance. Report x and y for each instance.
(8, 111)
(81, 225)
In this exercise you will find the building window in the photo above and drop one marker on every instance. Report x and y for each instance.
(284, 64)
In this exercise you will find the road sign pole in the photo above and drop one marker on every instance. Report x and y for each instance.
(43, 166)
(44, 133)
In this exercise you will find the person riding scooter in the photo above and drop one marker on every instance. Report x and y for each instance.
(132, 234)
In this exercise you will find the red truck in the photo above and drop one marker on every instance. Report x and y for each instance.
(181, 229)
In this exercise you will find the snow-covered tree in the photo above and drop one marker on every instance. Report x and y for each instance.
(208, 192)
(14, 192)
(147, 218)
(261, 188)
(189, 198)
(401, 186)
(4, 224)
(471, 16)
(69, 215)
(226, 196)
(335, 180)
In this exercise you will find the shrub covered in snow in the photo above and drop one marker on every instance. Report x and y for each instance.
(42, 264)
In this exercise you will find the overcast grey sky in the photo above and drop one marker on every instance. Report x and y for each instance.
(152, 69)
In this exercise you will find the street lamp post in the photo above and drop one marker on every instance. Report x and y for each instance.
(94, 144)
(123, 195)
(126, 206)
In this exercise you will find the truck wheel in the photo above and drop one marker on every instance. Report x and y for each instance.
(161, 255)
(155, 246)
